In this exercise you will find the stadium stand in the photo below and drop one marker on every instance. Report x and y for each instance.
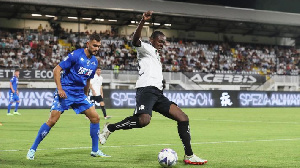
(43, 50)
(203, 39)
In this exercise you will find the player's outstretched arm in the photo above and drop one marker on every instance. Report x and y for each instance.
(137, 34)
(56, 73)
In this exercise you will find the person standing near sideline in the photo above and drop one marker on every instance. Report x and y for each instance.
(72, 90)
(96, 92)
(149, 94)
(14, 93)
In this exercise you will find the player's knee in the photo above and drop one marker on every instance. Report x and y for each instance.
(95, 119)
(51, 122)
(183, 117)
(144, 120)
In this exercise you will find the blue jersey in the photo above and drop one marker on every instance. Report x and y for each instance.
(78, 68)
(14, 81)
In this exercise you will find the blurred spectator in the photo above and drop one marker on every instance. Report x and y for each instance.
(39, 49)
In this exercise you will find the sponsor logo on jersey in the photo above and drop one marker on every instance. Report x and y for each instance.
(85, 71)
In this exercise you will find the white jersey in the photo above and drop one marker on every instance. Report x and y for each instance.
(96, 83)
(150, 68)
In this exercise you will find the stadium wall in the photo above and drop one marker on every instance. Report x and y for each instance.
(128, 30)
(42, 98)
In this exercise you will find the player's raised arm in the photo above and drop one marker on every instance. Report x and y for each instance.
(56, 72)
(137, 34)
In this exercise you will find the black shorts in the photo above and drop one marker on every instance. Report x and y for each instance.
(97, 99)
(151, 98)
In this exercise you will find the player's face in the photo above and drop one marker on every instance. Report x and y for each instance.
(17, 73)
(93, 46)
(98, 71)
(159, 42)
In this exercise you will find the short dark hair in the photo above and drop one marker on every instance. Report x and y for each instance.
(156, 34)
(95, 36)
(17, 70)
(98, 68)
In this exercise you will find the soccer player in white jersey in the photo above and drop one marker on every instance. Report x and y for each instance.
(149, 94)
(96, 92)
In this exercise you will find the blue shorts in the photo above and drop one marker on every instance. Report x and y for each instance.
(76, 99)
(13, 97)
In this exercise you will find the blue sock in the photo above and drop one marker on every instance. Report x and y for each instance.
(16, 108)
(8, 108)
(94, 131)
(44, 130)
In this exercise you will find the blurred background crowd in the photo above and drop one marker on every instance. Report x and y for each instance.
(40, 49)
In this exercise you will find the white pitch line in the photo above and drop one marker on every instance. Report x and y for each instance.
(238, 121)
(243, 121)
(195, 143)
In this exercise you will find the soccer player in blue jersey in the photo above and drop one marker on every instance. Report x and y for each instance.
(14, 93)
(72, 90)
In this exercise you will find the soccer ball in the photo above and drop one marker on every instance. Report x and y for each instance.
(167, 157)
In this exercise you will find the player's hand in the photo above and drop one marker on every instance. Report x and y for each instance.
(94, 93)
(62, 93)
(13, 91)
(147, 15)
(17, 92)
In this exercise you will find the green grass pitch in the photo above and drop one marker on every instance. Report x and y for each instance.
(226, 137)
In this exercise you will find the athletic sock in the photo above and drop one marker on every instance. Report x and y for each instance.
(8, 108)
(94, 131)
(184, 134)
(127, 123)
(44, 130)
(103, 110)
(16, 108)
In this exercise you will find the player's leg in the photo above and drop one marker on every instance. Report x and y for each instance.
(43, 132)
(145, 99)
(182, 126)
(11, 100)
(8, 108)
(102, 106)
(184, 133)
(142, 113)
(99, 102)
(17, 105)
(83, 105)
(135, 121)
(57, 108)
(17, 99)
(169, 109)
(94, 131)
(93, 116)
